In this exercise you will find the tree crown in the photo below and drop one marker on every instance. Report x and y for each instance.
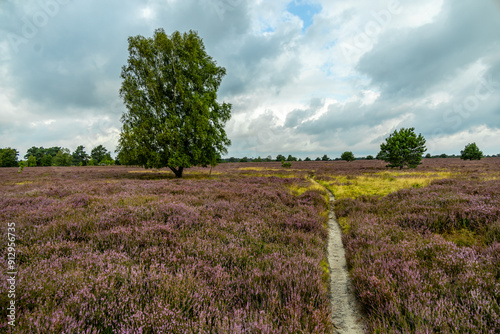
(170, 89)
(403, 148)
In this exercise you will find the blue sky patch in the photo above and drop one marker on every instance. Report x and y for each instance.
(305, 11)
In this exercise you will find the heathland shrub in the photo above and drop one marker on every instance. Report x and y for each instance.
(427, 260)
(471, 152)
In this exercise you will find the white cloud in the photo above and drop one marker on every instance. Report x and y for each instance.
(360, 70)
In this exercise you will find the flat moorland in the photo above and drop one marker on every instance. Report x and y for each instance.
(426, 258)
(122, 250)
(118, 249)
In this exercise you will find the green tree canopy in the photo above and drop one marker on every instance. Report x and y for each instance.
(31, 161)
(403, 148)
(325, 158)
(173, 118)
(8, 157)
(80, 157)
(43, 155)
(347, 156)
(63, 158)
(99, 154)
(471, 152)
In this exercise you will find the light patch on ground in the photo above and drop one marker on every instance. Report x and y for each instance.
(380, 184)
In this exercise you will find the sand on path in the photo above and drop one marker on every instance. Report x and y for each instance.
(346, 312)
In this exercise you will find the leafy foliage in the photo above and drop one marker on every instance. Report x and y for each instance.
(8, 157)
(99, 154)
(173, 118)
(63, 158)
(31, 161)
(471, 152)
(347, 156)
(403, 148)
(80, 157)
(43, 156)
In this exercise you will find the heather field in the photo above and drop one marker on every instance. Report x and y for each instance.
(120, 250)
(128, 250)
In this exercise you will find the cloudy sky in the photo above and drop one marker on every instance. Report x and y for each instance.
(305, 77)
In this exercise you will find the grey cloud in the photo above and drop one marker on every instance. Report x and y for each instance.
(297, 116)
(409, 63)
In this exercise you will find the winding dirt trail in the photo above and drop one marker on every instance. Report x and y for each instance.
(346, 312)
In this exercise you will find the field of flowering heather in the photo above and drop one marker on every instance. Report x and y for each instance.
(123, 250)
(427, 260)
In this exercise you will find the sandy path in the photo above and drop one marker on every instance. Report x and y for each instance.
(346, 311)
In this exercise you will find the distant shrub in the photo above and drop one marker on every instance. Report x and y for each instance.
(286, 164)
(22, 164)
(347, 156)
(402, 148)
(471, 152)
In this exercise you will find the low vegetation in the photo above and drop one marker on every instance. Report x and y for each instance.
(117, 249)
(427, 260)
(105, 250)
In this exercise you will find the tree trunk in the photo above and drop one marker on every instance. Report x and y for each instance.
(177, 172)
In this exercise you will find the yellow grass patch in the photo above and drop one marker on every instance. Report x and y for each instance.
(344, 224)
(23, 182)
(380, 184)
(260, 168)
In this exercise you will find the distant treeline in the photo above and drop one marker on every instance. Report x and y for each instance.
(100, 156)
(326, 158)
(57, 156)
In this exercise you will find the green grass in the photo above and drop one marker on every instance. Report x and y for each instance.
(379, 184)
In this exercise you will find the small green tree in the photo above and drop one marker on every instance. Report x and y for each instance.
(63, 158)
(307, 159)
(369, 157)
(173, 118)
(8, 157)
(403, 148)
(286, 164)
(280, 157)
(99, 153)
(47, 160)
(31, 161)
(325, 158)
(347, 156)
(22, 164)
(80, 157)
(291, 158)
(107, 160)
(471, 152)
